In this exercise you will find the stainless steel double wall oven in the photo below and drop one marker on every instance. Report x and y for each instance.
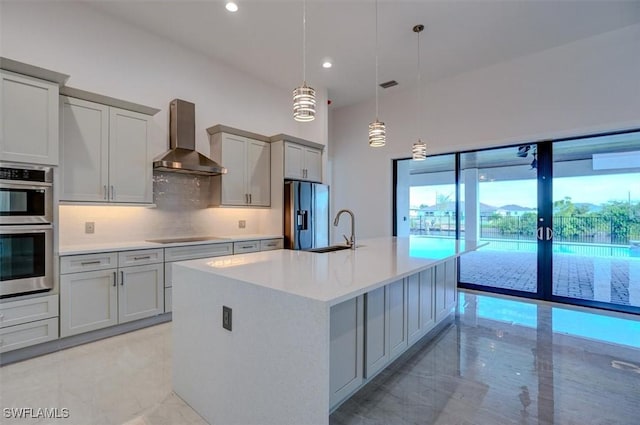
(26, 230)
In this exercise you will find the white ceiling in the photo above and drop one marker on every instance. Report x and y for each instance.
(264, 38)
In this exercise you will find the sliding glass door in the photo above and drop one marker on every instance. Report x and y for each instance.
(596, 221)
(560, 220)
(499, 206)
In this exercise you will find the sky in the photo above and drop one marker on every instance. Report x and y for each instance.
(588, 189)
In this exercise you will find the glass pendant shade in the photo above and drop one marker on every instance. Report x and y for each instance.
(304, 103)
(377, 134)
(419, 151)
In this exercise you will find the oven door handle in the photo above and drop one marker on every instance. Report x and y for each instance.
(36, 228)
(17, 184)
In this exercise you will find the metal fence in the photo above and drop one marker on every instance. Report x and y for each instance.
(579, 229)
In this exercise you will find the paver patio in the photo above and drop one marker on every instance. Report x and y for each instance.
(607, 279)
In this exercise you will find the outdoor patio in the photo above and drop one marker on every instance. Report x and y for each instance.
(608, 279)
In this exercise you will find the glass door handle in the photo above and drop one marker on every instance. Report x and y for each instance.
(549, 232)
(539, 233)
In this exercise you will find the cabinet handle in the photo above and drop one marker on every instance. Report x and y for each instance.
(113, 193)
(106, 192)
(146, 257)
(247, 246)
(86, 263)
(246, 198)
(121, 278)
(114, 279)
(250, 200)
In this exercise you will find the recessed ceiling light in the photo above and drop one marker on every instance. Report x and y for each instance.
(327, 63)
(231, 6)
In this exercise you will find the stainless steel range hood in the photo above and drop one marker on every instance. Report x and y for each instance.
(182, 157)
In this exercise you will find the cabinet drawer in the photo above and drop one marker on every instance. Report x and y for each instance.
(23, 311)
(88, 262)
(140, 257)
(246, 246)
(269, 244)
(192, 252)
(26, 334)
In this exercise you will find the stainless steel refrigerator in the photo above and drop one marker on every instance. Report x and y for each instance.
(306, 215)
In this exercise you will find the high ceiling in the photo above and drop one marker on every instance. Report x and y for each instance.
(264, 38)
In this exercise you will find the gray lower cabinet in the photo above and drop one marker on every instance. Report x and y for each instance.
(397, 318)
(88, 301)
(414, 307)
(94, 299)
(346, 349)
(140, 292)
(427, 313)
(28, 321)
(377, 331)
(445, 288)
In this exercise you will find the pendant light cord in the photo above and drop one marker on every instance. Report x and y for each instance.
(377, 60)
(419, 91)
(304, 42)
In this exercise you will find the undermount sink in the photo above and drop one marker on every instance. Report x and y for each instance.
(329, 248)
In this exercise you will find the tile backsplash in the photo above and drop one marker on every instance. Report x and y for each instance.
(181, 209)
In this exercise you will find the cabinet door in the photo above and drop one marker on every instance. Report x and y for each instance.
(440, 292)
(140, 292)
(345, 352)
(427, 315)
(88, 301)
(414, 307)
(84, 150)
(313, 164)
(293, 161)
(259, 172)
(130, 173)
(376, 324)
(397, 318)
(29, 124)
(451, 287)
(234, 184)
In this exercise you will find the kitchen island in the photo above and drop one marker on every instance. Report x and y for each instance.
(297, 346)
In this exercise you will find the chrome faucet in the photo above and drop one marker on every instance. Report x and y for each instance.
(351, 242)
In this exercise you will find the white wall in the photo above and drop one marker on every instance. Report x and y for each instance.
(585, 87)
(109, 57)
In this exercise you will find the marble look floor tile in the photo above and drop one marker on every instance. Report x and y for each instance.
(500, 362)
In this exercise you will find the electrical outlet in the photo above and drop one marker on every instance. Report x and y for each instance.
(90, 227)
(242, 224)
(226, 317)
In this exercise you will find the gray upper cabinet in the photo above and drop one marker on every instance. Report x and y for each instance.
(29, 124)
(248, 164)
(104, 154)
(302, 162)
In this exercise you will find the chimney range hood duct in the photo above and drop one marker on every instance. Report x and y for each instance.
(182, 157)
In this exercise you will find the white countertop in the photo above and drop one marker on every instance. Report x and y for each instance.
(127, 246)
(336, 276)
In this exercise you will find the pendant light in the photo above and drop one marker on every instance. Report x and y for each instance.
(377, 132)
(304, 97)
(419, 150)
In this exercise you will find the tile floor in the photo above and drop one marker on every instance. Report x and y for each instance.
(503, 361)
